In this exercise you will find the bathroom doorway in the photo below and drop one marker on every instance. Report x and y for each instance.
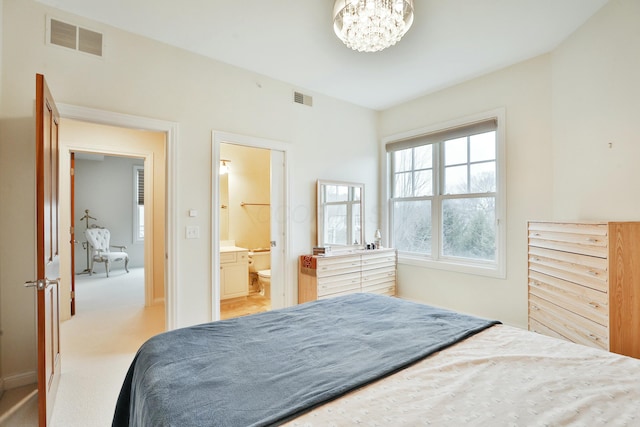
(249, 219)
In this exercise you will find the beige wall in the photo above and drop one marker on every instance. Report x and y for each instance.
(137, 76)
(563, 110)
(596, 101)
(249, 181)
(524, 90)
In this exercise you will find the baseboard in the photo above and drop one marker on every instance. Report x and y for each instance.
(19, 380)
(158, 301)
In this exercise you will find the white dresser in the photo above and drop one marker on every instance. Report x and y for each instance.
(344, 273)
(584, 283)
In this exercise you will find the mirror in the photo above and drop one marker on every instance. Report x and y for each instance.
(340, 214)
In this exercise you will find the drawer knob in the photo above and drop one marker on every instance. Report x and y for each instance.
(592, 272)
(593, 337)
(594, 304)
(592, 240)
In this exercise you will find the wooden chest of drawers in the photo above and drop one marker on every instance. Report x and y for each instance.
(584, 283)
(329, 276)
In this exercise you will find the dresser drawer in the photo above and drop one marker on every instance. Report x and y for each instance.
(587, 270)
(384, 273)
(341, 283)
(568, 324)
(384, 288)
(582, 300)
(338, 293)
(335, 266)
(585, 239)
(375, 259)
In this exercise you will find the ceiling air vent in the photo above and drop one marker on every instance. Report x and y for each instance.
(301, 98)
(76, 38)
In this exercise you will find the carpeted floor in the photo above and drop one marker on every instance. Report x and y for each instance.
(99, 343)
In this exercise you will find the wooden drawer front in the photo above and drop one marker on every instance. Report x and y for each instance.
(589, 303)
(585, 239)
(227, 257)
(374, 259)
(338, 293)
(333, 284)
(585, 270)
(335, 266)
(385, 273)
(378, 263)
(538, 327)
(567, 324)
(380, 287)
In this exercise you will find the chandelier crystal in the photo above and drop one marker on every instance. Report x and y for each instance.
(371, 25)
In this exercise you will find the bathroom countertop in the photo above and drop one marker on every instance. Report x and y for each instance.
(232, 249)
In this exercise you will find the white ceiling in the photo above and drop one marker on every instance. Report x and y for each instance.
(293, 41)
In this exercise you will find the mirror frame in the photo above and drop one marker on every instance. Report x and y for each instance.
(320, 217)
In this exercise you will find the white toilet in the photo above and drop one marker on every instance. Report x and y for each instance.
(260, 267)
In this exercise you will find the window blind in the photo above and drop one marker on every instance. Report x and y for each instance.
(140, 173)
(443, 135)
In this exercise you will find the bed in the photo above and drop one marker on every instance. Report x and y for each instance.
(373, 360)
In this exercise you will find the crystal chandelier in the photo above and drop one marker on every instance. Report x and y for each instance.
(371, 25)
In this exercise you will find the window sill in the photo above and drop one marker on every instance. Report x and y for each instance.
(488, 270)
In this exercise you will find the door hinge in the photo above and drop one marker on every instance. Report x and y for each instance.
(71, 230)
(73, 171)
(73, 294)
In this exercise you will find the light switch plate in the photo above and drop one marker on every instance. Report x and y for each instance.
(193, 232)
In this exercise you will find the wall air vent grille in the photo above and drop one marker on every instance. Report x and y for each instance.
(74, 37)
(301, 98)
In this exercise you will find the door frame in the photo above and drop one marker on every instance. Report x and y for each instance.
(217, 138)
(110, 118)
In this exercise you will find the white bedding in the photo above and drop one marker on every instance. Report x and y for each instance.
(503, 376)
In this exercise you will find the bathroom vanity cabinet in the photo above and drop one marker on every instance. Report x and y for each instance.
(234, 273)
(345, 273)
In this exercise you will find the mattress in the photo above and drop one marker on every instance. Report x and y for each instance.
(502, 376)
(267, 368)
(374, 361)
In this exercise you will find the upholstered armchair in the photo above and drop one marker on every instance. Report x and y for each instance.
(99, 243)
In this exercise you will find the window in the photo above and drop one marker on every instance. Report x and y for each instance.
(445, 197)
(138, 203)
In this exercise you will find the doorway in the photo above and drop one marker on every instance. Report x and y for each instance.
(268, 211)
(98, 142)
(159, 168)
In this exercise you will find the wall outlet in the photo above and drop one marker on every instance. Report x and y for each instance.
(193, 232)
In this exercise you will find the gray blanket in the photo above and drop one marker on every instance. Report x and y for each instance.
(267, 368)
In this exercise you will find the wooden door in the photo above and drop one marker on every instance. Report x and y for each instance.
(278, 298)
(73, 233)
(47, 252)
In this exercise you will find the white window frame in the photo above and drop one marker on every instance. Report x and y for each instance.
(136, 212)
(462, 265)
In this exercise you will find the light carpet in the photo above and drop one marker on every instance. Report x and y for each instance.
(99, 343)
